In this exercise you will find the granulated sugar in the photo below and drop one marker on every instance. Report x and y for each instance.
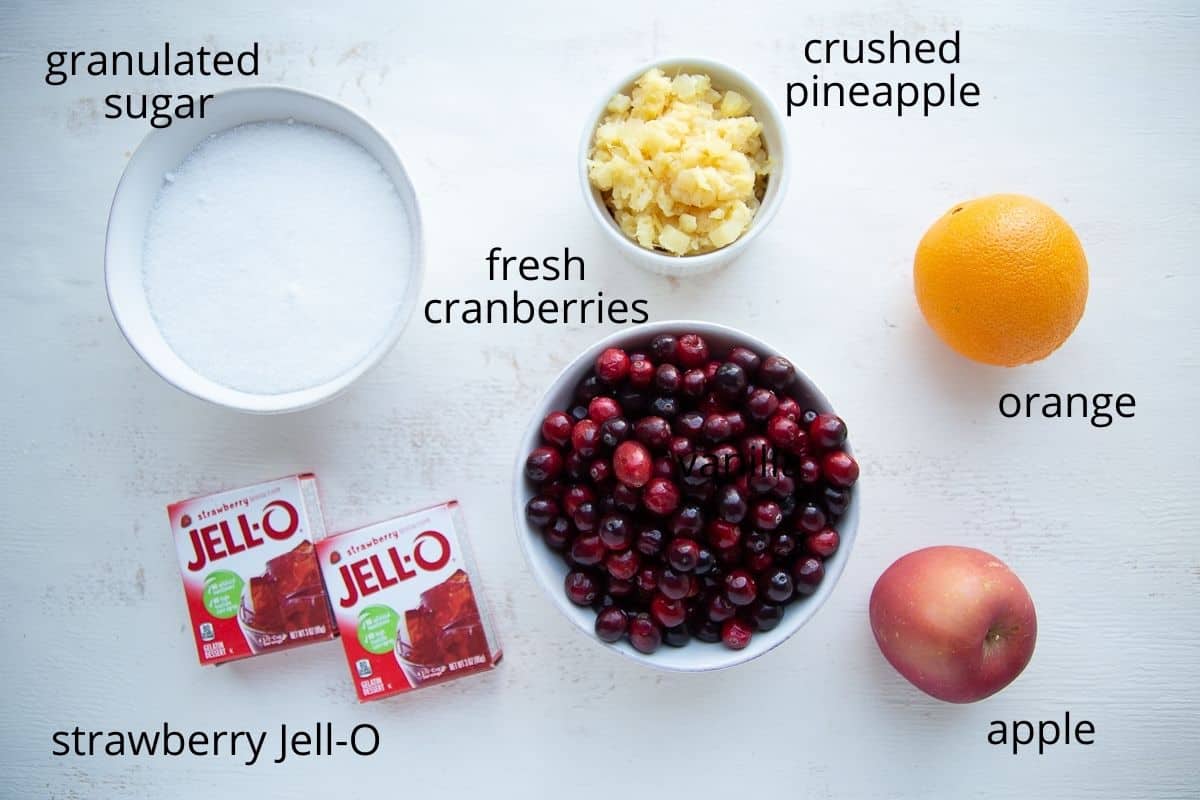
(276, 256)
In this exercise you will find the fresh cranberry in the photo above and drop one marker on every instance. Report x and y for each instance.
(677, 636)
(767, 515)
(828, 431)
(647, 579)
(692, 350)
(683, 554)
(785, 489)
(540, 510)
(782, 430)
(674, 585)
(711, 404)
(778, 586)
(588, 550)
(731, 504)
(588, 388)
(799, 445)
(689, 424)
(762, 404)
(836, 500)
(626, 498)
(824, 543)
(621, 590)
(705, 561)
(556, 428)
(783, 544)
(776, 372)
(840, 469)
(663, 467)
(667, 612)
(665, 406)
(766, 616)
(616, 532)
(641, 373)
(613, 431)
(680, 447)
(558, 533)
(756, 542)
(745, 358)
(730, 381)
(737, 422)
(585, 437)
(660, 497)
(719, 608)
(790, 408)
(574, 495)
(654, 432)
(759, 562)
(710, 370)
(687, 521)
(694, 383)
(740, 588)
(809, 471)
(644, 634)
(576, 466)
(706, 631)
(581, 588)
(807, 573)
(632, 464)
(722, 534)
(622, 566)
(698, 469)
(602, 408)
(717, 428)
(599, 471)
(757, 450)
(544, 464)
(810, 518)
(611, 624)
(727, 460)
(736, 634)
(662, 347)
(650, 542)
(765, 478)
(612, 366)
(667, 378)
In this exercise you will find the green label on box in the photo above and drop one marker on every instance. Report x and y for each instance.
(377, 627)
(222, 593)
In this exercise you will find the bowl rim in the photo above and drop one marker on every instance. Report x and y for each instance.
(297, 399)
(528, 540)
(699, 262)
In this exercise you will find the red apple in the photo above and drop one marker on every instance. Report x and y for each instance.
(955, 621)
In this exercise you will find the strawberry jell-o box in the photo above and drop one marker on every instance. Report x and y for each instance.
(404, 601)
(250, 569)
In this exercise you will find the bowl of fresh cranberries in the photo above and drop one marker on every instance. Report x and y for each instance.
(686, 495)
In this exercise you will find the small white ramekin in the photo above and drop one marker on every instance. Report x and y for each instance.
(724, 77)
(161, 152)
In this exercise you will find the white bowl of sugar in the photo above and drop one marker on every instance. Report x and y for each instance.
(266, 256)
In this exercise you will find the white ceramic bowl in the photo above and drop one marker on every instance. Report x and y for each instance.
(724, 77)
(550, 570)
(162, 151)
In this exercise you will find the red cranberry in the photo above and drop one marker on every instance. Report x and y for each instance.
(705, 561)
(828, 431)
(664, 467)
(759, 562)
(799, 445)
(731, 504)
(689, 424)
(776, 372)
(785, 489)
(667, 378)
(823, 543)
(641, 373)
(778, 586)
(540, 510)
(710, 370)
(585, 517)
(765, 478)
(647, 579)
(781, 430)
(711, 404)
(626, 498)
(611, 624)
(574, 496)
(650, 542)
(654, 432)
(621, 590)
(688, 521)
(616, 532)
(722, 534)
(809, 471)
(694, 383)
(558, 533)
(836, 500)
(717, 428)
(745, 358)
(719, 608)
(762, 404)
(556, 428)
(588, 388)
(576, 466)
(632, 464)
(706, 631)
(622, 566)
(662, 347)
(810, 518)
(613, 431)
(767, 515)
(585, 437)
(730, 381)
(675, 585)
(757, 451)
(581, 588)
(807, 573)
(726, 460)
(660, 497)
(544, 464)
(790, 408)
(698, 469)
(667, 612)
(756, 542)
(736, 634)
(680, 447)
(783, 544)
(766, 616)
(737, 423)
(587, 550)
(683, 554)
(612, 366)
(644, 634)
(677, 636)
(692, 350)
(740, 588)
(602, 408)
(840, 469)
(599, 471)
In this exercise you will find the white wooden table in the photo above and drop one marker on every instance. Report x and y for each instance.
(1091, 108)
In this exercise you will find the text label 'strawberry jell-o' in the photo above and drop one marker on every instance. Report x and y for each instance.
(250, 570)
(403, 597)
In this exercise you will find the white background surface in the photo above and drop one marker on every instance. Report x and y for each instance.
(1090, 108)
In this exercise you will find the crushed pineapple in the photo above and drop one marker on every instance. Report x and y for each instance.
(681, 165)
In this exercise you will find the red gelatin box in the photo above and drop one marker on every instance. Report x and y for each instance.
(405, 605)
(249, 568)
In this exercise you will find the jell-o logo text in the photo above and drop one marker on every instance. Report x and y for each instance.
(214, 542)
(379, 571)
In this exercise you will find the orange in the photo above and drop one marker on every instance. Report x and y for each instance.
(1002, 279)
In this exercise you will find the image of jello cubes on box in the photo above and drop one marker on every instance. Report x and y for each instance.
(249, 568)
(405, 602)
